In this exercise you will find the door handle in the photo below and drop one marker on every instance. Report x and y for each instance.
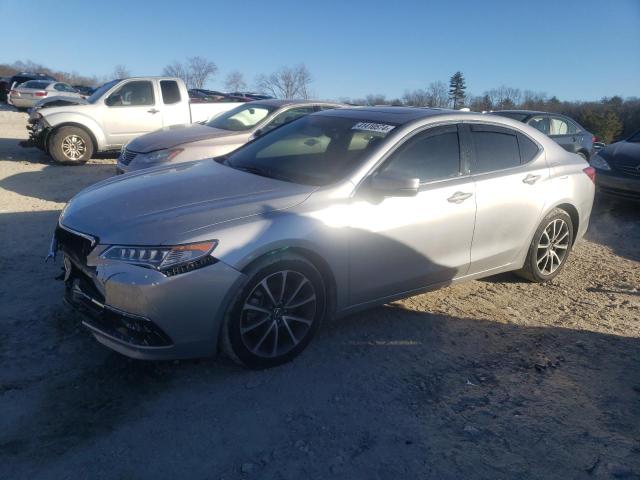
(459, 197)
(154, 111)
(531, 179)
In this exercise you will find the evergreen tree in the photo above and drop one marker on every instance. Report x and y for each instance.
(457, 88)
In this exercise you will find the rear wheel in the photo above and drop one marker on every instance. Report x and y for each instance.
(71, 145)
(549, 248)
(275, 314)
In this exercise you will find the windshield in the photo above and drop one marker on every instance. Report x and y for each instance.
(635, 138)
(241, 118)
(313, 150)
(35, 84)
(101, 91)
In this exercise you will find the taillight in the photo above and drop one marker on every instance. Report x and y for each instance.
(14, 92)
(40, 94)
(591, 173)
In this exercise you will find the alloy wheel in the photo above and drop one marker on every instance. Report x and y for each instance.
(73, 147)
(553, 246)
(278, 313)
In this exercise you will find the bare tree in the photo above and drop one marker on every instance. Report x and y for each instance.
(195, 73)
(416, 98)
(235, 82)
(504, 97)
(288, 82)
(438, 94)
(200, 71)
(177, 69)
(120, 71)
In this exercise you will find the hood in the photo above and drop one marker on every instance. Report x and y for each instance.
(622, 153)
(60, 101)
(168, 205)
(168, 137)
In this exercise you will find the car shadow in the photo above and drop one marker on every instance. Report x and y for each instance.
(51, 182)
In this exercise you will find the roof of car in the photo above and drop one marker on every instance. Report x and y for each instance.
(396, 115)
(527, 112)
(277, 102)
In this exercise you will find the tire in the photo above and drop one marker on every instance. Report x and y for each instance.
(71, 145)
(258, 333)
(544, 263)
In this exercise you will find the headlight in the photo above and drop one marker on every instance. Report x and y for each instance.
(160, 156)
(600, 163)
(168, 260)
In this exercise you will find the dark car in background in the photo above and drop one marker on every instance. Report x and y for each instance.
(22, 77)
(252, 95)
(4, 88)
(566, 132)
(201, 95)
(618, 168)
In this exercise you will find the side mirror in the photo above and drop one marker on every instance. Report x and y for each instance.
(391, 185)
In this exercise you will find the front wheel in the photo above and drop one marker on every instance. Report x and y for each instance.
(71, 145)
(549, 248)
(275, 314)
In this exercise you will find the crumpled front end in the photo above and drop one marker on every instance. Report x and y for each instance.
(38, 130)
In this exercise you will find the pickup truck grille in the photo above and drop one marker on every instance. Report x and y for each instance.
(126, 156)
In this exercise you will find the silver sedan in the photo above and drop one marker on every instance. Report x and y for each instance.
(27, 94)
(336, 212)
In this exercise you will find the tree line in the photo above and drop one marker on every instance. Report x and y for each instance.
(609, 119)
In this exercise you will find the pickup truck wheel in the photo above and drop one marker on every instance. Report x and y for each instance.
(71, 145)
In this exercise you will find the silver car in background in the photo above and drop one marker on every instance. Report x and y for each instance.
(335, 212)
(27, 94)
(218, 136)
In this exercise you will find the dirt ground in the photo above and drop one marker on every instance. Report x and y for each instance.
(493, 379)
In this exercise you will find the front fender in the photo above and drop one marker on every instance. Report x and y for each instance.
(59, 119)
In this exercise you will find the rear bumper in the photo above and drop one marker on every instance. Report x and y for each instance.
(23, 102)
(143, 314)
(613, 185)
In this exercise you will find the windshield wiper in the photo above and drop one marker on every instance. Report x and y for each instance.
(264, 173)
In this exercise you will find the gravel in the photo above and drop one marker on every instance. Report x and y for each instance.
(497, 378)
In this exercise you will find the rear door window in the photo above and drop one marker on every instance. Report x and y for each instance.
(170, 91)
(562, 126)
(541, 123)
(496, 148)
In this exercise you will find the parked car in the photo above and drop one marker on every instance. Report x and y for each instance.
(252, 95)
(218, 136)
(568, 133)
(116, 112)
(22, 77)
(27, 94)
(335, 212)
(4, 88)
(618, 167)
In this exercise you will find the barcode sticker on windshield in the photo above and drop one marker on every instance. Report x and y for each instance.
(373, 127)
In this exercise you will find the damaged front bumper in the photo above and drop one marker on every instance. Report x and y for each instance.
(38, 131)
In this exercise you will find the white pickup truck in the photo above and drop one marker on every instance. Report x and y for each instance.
(72, 130)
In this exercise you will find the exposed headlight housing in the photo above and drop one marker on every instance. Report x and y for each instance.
(161, 156)
(171, 260)
(599, 163)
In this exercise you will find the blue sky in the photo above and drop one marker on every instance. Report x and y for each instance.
(572, 49)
